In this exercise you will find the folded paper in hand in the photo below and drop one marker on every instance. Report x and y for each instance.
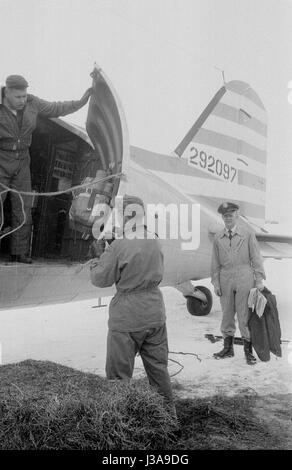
(257, 301)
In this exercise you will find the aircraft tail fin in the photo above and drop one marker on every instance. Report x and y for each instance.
(226, 147)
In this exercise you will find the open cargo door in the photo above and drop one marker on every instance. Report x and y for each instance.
(108, 133)
(106, 126)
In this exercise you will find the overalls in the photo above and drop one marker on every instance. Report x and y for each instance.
(236, 267)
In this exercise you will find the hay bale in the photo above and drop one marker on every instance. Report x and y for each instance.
(49, 406)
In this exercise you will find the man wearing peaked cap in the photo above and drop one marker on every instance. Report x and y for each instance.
(236, 268)
(18, 115)
(227, 207)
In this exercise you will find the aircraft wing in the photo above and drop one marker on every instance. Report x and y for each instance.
(274, 245)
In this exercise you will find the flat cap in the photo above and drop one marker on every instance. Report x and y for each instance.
(16, 81)
(227, 207)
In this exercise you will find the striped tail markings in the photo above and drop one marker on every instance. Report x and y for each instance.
(228, 141)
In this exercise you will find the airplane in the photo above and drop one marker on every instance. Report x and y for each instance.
(222, 157)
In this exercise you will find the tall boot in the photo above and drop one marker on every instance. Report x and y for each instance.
(250, 359)
(227, 350)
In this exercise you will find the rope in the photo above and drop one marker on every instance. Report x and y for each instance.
(57, 193)
(2, 216)
(2, 213)
(47, 194)
(176, 362)
(186, 354)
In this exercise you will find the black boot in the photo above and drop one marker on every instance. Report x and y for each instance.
(227, 350)
(250, 359)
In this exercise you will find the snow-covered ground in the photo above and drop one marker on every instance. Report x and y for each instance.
(75, 335)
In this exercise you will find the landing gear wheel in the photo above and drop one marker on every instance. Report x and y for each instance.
(198, 308)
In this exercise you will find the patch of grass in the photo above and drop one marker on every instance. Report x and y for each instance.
(48, 406)
(222, 423)
(44, 405)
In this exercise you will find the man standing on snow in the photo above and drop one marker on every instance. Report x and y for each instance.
(134, 263)
(236, 268)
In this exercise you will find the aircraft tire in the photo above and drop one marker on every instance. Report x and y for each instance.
(196, 307)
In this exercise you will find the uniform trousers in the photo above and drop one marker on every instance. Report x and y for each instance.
(15, 173)
(235, 287)
(152, 345)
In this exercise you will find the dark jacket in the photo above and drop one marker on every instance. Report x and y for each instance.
(265, 331)
(15, 140)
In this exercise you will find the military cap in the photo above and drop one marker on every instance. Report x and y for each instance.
(16, 81)
(227, 207)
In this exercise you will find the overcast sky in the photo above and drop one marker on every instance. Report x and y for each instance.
(161, 56)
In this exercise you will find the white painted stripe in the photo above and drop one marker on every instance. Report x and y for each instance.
(243, 88)
(240, 102)
(251, 180)
(212, 188)
(239, 116)
(231, 159)
(230, 144)
(232, 129)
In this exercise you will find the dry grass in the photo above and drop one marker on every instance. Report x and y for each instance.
(223, 423)
(44, 405)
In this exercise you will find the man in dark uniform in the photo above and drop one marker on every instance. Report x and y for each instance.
(236, 268)
(18, 115)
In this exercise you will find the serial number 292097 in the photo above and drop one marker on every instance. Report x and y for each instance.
(212, 164)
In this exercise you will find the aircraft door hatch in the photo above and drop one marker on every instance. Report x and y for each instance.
(107, 128)
(65, 156)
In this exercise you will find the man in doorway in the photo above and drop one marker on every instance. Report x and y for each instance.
(236, 268)
(18, 115)
(134, 262)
